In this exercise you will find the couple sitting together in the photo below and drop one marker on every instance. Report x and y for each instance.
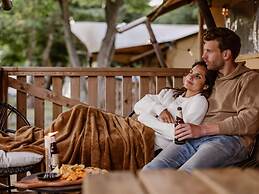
(225, 133)
(220, 112)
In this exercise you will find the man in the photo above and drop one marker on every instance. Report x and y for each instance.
(228, 132)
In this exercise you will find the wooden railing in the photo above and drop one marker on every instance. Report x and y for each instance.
(121, 88)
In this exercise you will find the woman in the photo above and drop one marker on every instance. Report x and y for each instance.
(159, 111)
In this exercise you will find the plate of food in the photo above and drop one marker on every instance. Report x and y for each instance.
(77, 171)
(66, 175)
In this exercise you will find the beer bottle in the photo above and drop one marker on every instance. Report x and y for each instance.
(179, 120)
(54, 154)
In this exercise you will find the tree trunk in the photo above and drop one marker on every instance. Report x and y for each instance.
(107, 48)
(46, 52)
(73, 58)
(46, 62)
(31, 47)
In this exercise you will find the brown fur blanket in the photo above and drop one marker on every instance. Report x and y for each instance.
(92, 137)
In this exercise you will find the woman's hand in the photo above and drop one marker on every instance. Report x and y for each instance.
(166, 116)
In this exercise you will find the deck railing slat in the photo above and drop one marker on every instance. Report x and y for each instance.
(126, 95)
(92, 90)
(144, 85)
(75, 87)
(4, 86)
(160, 83)
(39, 110)
(4, 90)
(178, 81)
(57, 89)
(110, 94)
(21, 99)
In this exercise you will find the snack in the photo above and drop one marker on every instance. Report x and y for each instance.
(75, 172)
(72, 172)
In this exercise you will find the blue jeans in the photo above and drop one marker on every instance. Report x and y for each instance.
(204, 152)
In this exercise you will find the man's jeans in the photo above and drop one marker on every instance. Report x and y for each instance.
(204, 152)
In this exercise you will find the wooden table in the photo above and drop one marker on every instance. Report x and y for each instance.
(53, 189)
(168, 181)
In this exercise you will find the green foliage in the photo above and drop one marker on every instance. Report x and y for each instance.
(89, 14)
(88, 10)
(133, 9)
(25, 28)
(88, 3)
(92, 10)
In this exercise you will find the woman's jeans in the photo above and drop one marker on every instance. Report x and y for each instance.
(204, 152)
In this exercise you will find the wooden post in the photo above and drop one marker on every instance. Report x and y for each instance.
(3, 88)
(205, 10)
(155, 44)
(200, 35)
(157, 48)
(3, 85)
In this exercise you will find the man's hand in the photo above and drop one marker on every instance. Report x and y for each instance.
(188, 131)
(166, 116)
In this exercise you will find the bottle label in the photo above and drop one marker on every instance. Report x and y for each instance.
(54, 161)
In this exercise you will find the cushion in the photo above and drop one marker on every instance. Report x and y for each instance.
(16, 159)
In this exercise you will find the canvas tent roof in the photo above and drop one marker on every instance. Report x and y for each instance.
(167, 6)
(92, 33)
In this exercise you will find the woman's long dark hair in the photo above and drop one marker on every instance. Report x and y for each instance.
(210, 78)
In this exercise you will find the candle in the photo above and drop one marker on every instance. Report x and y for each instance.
(47, 152)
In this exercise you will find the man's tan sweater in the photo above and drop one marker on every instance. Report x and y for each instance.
(234, 105)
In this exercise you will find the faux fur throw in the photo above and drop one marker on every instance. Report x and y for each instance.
(89, 136)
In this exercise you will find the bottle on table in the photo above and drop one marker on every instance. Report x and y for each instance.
(179, 120)
(54, 154)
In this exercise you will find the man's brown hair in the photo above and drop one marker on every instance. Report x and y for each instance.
(226, 38)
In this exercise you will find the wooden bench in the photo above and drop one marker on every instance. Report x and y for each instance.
(168, 181)
(253, 161)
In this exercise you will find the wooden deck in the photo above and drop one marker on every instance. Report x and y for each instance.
(214, 181)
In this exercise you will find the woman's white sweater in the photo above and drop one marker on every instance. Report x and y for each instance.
(150, 106)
